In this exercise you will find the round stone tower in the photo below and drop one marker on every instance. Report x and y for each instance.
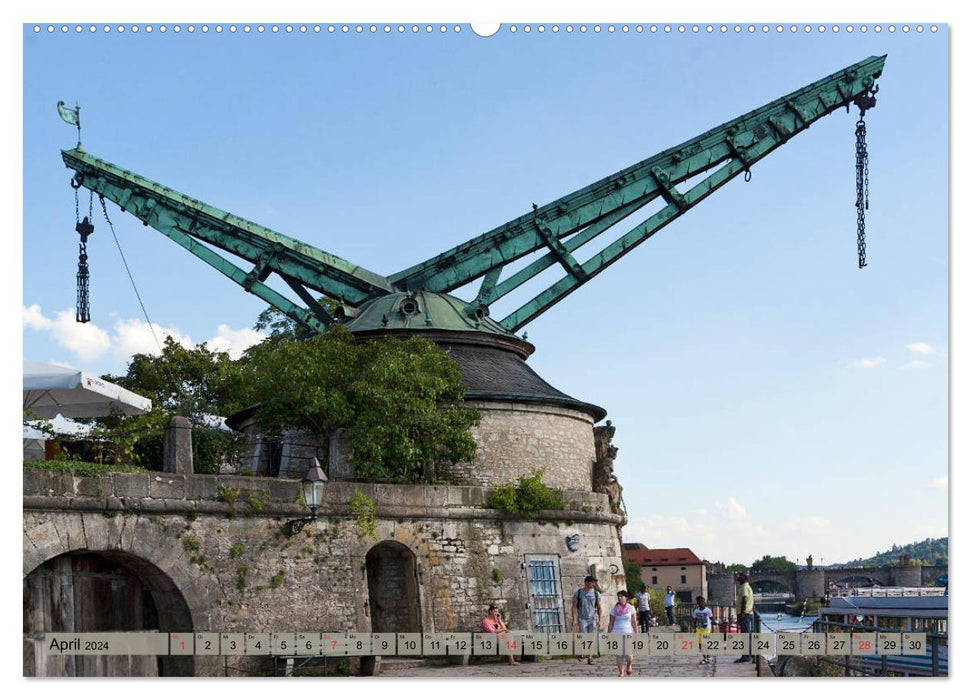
(526, 423)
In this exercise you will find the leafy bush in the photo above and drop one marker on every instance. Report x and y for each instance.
(77, 468)
(525, 497)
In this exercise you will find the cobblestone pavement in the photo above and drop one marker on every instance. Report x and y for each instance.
(603, 667)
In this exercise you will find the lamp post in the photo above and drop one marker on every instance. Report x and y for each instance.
(312, 486)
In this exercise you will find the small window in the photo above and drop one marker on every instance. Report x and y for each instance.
(653, 568)
(684, 579)
(683, 568)
(654, 580)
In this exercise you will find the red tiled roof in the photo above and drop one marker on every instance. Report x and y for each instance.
(681, 556)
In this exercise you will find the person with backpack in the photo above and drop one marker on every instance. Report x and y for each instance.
(586, 610)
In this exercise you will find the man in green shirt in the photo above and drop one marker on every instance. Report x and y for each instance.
(745, 609)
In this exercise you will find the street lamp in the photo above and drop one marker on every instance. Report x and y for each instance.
(312, 486)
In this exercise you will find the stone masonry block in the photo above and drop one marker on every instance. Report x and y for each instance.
(131, 485)
(36, 482)
(167, 486)
(201, 487)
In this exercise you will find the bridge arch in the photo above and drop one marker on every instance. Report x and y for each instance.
(859, 580)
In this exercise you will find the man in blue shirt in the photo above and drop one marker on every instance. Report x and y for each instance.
(669, 604)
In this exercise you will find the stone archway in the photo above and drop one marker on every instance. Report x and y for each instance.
(100, 591)
(392, 578)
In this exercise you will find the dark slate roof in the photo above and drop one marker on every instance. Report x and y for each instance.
(496, 374)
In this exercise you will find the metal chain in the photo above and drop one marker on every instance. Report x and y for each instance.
(862, 190)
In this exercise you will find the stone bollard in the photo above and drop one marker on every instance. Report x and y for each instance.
(177, 446)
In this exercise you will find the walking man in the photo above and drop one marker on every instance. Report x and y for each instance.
(644, 609)
(745, 606)
(586, 609)
(669, 604)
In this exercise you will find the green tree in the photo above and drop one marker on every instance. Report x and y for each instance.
(632, 572)
(399, 402)
(197, 383)
(768, 563)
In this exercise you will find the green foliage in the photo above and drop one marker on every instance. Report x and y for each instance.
(931, 552)
(399, 402)
(632, 572)
(496, 576)
(241, 577)
(191, 382)
(185, 381)
(362, 508)
(78, 468)
(254, 504)
(277, 579)
(525, 497)
(769, 563)
(191, 545)
(228, 495)
(236, 551)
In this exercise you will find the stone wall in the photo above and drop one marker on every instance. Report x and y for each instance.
(215, 547)
(512, 439)
(515, 439)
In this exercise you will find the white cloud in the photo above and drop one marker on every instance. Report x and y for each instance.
(733, 510)
(235, 341)
(135, 336)
(940, 482)
(869, 363)
(89, 342)
(34, 318)
(917, 364)
(921, 349)
(85, 340)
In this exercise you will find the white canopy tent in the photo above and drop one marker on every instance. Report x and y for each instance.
(50, 390)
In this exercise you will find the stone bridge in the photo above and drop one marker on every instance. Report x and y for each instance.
(172, 552)
(814, 583)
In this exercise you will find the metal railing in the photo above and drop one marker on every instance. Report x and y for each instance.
(937, 643)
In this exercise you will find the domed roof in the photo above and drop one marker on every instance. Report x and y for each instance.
(491, 358)
(422, 311)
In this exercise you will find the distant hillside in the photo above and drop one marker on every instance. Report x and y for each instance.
(929, 552)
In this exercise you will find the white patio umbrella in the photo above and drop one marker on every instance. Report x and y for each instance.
(50, 389)
(35, 438)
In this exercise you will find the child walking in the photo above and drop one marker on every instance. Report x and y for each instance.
(702, 616)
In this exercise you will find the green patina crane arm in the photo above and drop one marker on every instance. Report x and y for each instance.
(190, 223)
(564, 225)
(560, 227)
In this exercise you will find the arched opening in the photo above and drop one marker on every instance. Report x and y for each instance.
(86, 591)
(771, 594)
(392, 581)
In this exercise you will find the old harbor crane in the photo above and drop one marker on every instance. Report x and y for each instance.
(552, 232)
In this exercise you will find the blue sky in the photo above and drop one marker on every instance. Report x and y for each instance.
(769, 397)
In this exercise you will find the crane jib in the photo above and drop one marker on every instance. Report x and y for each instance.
(553, 231)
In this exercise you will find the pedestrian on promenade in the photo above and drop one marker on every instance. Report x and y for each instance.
(745, 608)
(669, 604)
(623, 620)
(702, 616)
(644, 609)
(587, 613)
(492, 622)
